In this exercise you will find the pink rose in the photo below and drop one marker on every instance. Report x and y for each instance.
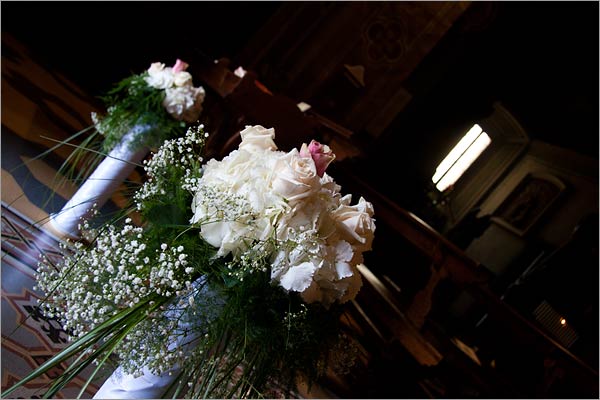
(180, 66)
(320, 153)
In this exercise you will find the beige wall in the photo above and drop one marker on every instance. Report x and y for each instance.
(499, 246)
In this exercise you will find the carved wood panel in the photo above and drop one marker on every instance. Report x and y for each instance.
(349, 59)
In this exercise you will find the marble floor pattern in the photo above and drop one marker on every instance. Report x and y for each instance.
(28, 337)
(39, 108)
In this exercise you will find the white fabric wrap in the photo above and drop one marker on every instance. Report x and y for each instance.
(101, 184)
(149, 385)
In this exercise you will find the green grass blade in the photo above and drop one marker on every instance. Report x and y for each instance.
(50, 150)
(84, 342)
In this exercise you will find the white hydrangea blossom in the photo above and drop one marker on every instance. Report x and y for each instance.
(271, 208)
(184, 103)
(182, 100)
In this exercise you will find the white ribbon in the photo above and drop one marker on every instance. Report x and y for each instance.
(149, 385)
(100, 186)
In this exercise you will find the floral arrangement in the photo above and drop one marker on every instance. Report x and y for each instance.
(163, 99)
(238, 275)
(259, 203)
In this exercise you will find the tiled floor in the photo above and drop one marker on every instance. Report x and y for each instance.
(28, 338)
(37, 104)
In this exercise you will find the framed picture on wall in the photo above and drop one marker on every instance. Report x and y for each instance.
(528, 202)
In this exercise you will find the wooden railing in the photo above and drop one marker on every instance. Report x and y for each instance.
(393, 329)
(430, 344)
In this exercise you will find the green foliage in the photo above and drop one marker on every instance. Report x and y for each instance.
(132, 102)
(273, 335)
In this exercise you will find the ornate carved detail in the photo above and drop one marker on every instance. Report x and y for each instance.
(386, 40)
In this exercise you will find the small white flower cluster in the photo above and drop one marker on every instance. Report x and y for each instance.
(222, 207)
(100, 123)
(181, 326)
(291, 318)
(284, 204)
(97, 121)
(117, 272)
(179, 154)
(163, 277)
(182, 100)
(156, 351)
(257, 257)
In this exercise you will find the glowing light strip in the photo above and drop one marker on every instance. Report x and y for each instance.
(465, 161)
(456, 152)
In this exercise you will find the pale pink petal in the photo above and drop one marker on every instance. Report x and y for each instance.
(180, 66)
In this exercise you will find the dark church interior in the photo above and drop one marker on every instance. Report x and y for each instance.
(485, 289)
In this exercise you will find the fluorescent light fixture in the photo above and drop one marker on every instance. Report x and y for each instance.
(461, 157)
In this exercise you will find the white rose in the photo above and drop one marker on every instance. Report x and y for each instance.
(182, 78)
(295, 177)
(159, 77)
(329, 185)
(355, 223)
(156, 67)
(257, 138)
